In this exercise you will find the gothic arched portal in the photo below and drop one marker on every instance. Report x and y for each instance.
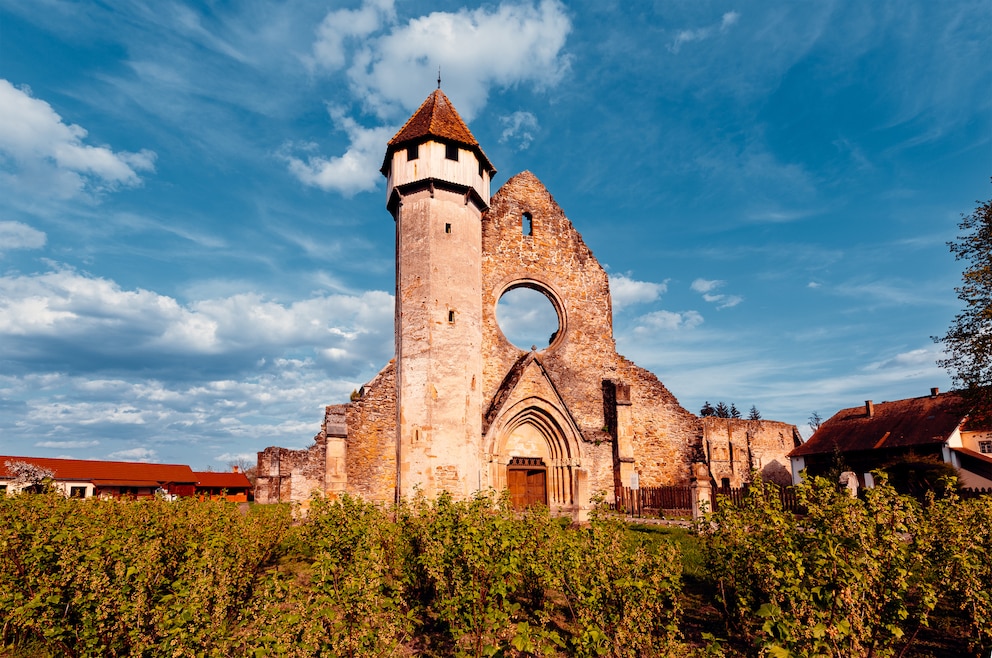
(531, 436)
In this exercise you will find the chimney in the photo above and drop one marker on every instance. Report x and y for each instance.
(234, 469)
(870, 408)
(934, 392)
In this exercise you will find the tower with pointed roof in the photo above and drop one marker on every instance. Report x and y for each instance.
(437, 190)
(462, 408)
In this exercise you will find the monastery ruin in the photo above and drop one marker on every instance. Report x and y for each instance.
(460, 408)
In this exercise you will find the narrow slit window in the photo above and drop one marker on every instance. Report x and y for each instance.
(412, 152)
(451, 152)
(527, 224)
(480, 170)
(451, 317)
(447, 228)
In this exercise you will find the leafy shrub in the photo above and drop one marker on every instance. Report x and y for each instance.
(957, 537)
(850, 578)
(116, 577)
(624, 598)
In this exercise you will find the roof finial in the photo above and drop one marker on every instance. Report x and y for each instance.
(438, 77)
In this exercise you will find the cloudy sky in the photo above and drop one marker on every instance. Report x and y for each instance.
(195, 256)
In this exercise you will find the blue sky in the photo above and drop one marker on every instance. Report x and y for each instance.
(195, 256)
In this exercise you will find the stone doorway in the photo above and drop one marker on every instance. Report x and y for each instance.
(527, 481)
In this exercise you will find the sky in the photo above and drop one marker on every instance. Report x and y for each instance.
(195, 255)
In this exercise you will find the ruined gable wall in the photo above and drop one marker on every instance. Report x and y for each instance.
(665, 434)
(371, 441)
(735, 445)
(556, 256)
(286, 475)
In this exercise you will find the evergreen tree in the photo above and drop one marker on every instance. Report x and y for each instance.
(733, 411)
(707, 410)
(755, 414)
(968, 342)
(722, 411)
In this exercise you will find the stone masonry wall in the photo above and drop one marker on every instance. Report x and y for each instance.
(556, 258)
(286, 475)
(735, 446)
(371, 442)
(665, 434)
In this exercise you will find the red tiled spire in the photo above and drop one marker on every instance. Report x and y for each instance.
(436, 118)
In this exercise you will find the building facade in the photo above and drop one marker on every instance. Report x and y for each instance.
(461, 408)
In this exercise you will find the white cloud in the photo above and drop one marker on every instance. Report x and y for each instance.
(15, 235)
(519, 127)
(706, 285)
(706, 288)
(66, 444)
(329, 50)
(667, 321)
(75, 315)
(355, 171)
(135, 455)
(699, 34)
(476, 50)
(626, 291)
(41, 148)
(389, 67)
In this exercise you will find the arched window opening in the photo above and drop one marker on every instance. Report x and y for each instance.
(527, 224)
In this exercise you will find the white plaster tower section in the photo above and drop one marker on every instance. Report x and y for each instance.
(437, 189)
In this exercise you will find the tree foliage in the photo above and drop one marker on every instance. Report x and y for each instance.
(754, 414)
(968, 341)
(27, 475)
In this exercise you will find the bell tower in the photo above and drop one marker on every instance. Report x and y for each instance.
(437, 188)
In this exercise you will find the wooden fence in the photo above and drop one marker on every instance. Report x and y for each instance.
(677, 501)
(654, 501)
(975, 493)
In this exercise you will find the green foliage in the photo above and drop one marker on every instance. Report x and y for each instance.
(957, 538)
(916, 475)
(476, 578)
(112, 578)
(471, 565)
(968, 341)
(345, 596)
(848, 579)
(624, 599)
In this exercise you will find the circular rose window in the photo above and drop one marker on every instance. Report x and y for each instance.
(527, 318)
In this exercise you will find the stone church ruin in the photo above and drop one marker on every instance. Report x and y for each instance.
(460, 408)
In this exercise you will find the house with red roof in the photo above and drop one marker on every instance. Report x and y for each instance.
(233, 486)
(870, 436)
(80, 478)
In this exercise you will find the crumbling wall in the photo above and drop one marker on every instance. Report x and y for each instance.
(735, 446)
(553, 258)
(665, 434)
(371, 442)
(286, 475)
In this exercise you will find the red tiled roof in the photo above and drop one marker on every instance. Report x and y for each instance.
(436, 117)
(90, 471)
(222, 480)
(919, 421)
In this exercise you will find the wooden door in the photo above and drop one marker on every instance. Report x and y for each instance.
(527, 487)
